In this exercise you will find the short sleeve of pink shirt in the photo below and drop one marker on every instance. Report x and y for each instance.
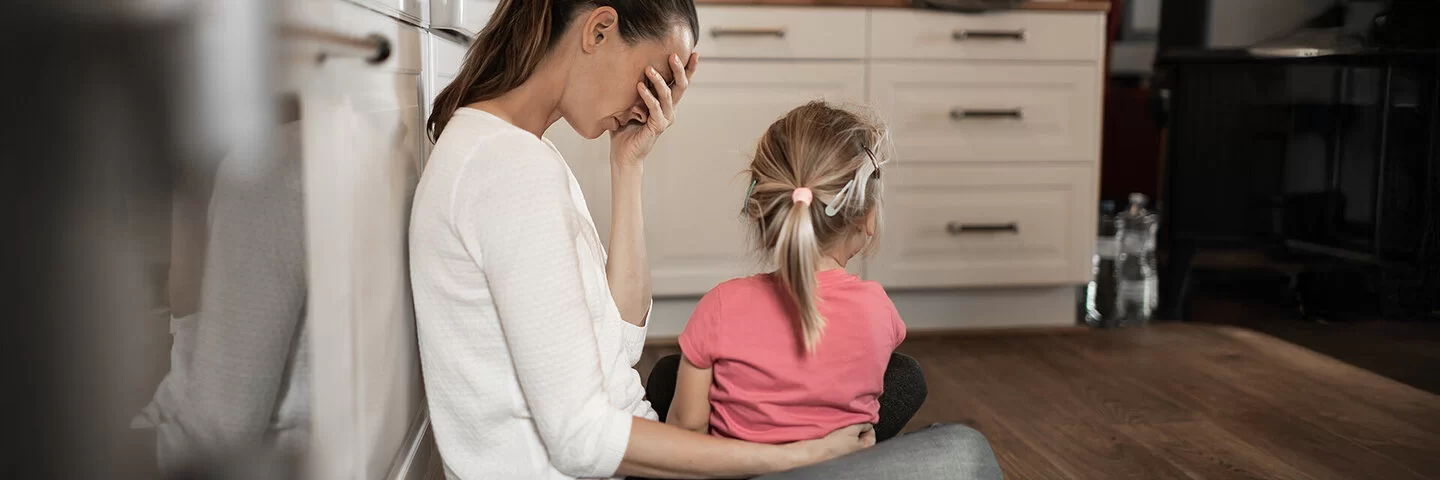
(698, 340)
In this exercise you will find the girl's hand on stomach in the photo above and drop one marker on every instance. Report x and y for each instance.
(838, 443)
(632, 143)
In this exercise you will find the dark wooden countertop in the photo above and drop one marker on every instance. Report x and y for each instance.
(1069, 5)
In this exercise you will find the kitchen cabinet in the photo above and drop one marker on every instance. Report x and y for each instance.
(409, 11)
(782, 32)
(443, 59)
(1016, 36)
(990, 203)
(942, 112)
(361, 142)
(985, 226)
(462, 17)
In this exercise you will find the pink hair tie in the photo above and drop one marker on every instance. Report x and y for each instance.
(802, 195)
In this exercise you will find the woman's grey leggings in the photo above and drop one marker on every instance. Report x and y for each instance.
(938, 452)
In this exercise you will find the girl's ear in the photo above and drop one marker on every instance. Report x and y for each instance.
(870, 222)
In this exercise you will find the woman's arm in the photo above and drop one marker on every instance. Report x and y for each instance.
(659, 450)
(691, 407)
(628, 268)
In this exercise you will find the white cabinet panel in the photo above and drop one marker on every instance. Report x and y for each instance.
(973, 112)
(443, 62)
(693, 187)
(965, 226)
(411, 11)
(781, 32)
(355, 20)
(361, 140)
(917, 34)
(465, 17)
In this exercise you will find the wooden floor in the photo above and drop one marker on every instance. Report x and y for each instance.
(1174, 401)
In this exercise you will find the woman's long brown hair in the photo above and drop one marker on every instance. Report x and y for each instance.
(521, 32)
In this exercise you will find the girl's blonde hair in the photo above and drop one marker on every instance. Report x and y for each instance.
(821, 148)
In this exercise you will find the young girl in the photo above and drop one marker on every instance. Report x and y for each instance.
(795, 354)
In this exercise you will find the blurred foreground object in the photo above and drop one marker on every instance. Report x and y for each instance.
(107, 102)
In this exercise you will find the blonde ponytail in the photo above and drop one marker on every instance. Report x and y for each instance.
(812, 153)
(795, 258)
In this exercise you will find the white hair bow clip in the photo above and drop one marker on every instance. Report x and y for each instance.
(855, 188)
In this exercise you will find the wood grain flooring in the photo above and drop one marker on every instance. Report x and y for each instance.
(1182, 401)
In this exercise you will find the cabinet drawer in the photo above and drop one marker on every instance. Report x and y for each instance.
(404, 38)
(967, 226)
(351, 20)
(781, 32)
(948, 113)
(913, 34)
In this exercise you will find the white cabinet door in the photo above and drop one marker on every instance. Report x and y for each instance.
(443, 61)
(693, 184)
(443, 57)
(942, 112)
(749, 31)
(965, 225)
(903, 33)
(361, 134)
(465, 17)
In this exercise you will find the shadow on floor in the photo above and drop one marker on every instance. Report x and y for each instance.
(1403, 349)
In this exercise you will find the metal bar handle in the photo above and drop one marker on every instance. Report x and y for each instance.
(963, 34)
(373, 48)
(957, 228)
(960, 113)
(777, 32)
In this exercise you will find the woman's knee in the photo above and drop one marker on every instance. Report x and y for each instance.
(967, 449)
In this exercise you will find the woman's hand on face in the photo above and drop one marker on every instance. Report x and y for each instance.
(838, 443)
(632, 143)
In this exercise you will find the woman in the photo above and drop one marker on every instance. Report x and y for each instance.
(528, 330)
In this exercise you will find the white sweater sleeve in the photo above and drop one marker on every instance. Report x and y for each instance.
(519, 220)
(633, 337)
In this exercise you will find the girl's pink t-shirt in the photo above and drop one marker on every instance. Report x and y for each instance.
(766, 388)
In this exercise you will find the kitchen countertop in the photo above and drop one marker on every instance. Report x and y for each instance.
(1069, 5)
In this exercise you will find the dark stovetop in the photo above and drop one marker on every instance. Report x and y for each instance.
(1317, 45)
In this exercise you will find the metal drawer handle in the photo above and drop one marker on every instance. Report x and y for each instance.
(373, 48)
(958, 114)
(1016, 35)
(957, 228)
(777, 32)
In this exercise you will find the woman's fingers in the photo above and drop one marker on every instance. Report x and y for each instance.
(667, 101)
(657, 113)
(682, 73)
(852, 438)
